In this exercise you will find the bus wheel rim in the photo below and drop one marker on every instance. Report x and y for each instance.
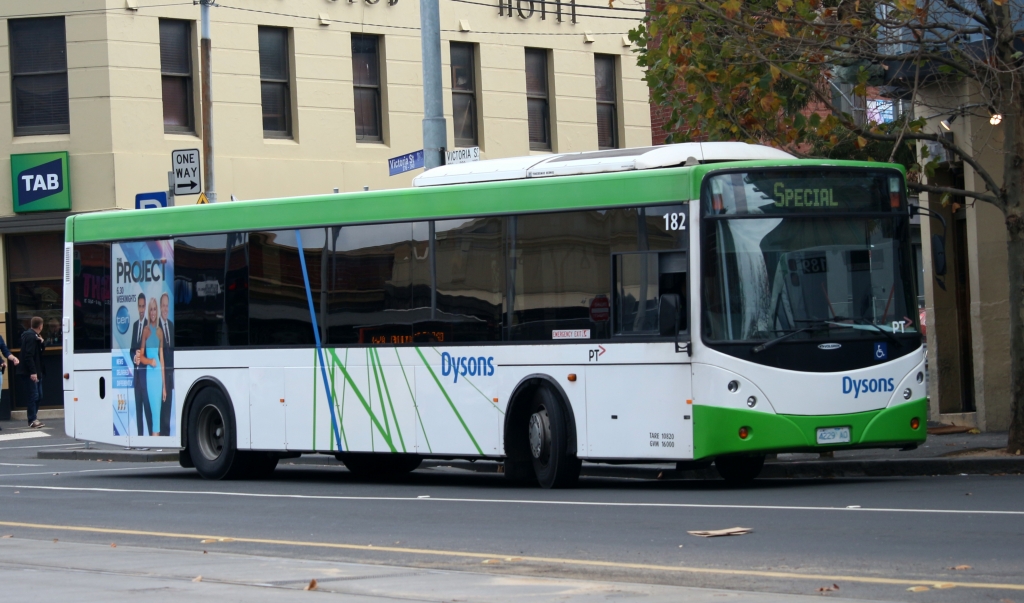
(211, 432)
(539, 435)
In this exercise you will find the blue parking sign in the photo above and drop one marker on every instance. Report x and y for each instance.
(881, 351)
(151, 200)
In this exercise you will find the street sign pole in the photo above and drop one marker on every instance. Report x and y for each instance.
(207, 86)
(170, 188)
(435, 132)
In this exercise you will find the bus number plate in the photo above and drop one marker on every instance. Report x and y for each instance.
(833, 435)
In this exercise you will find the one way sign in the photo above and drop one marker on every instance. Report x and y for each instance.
(185, 165)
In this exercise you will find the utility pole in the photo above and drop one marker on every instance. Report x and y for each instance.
(206, 64)
(435, 131)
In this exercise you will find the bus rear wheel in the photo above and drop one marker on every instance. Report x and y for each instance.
(548, 438)
(211, 437)
(740, 469)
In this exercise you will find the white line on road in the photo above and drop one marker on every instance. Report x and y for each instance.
(25, 435)
(520, 502)
(19, 465)
(174, 466)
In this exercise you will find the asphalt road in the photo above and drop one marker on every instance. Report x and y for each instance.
(874, 538)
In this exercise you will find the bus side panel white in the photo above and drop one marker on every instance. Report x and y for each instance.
(267, 410)
(356, 405)
(67, 325)
(511, 376)
(70, 400)
(457, 412)
(711, 388)
(638, 412)
(298, 403)
(94, 417)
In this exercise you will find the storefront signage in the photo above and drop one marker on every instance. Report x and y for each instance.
(39, 182)
(527, 8)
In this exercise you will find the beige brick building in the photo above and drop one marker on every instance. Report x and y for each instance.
(309, 96)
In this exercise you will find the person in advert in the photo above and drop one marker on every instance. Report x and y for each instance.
(9, 356)
(142, 408)
(152, 356)
(31, 370)
(167, 329)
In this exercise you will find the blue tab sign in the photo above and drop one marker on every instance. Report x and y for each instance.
(151, 200)
(405, 163)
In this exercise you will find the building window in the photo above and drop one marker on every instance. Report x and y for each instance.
(464, 94)
(176, 74)
(274, 82)
(607, 111)
(39, 76)
(366, 84)
(537, 106)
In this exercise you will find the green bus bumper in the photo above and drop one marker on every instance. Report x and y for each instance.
(716, 430)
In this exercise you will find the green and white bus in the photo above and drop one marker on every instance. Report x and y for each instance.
(690, 303)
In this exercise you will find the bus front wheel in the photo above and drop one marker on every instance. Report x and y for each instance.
(740, 469)
(548, 437)
(211, 437)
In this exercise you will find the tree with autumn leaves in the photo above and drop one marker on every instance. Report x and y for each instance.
(775, 72)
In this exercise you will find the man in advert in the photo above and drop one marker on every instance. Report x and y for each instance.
(142, 408)
(167, 326)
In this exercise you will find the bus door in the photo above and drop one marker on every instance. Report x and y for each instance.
(637, 391)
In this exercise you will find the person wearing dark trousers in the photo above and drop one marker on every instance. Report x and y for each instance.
(31, 371)
(7, 355)
(167, 326)
(142, 408)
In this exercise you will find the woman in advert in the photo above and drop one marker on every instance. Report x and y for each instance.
(153, 358)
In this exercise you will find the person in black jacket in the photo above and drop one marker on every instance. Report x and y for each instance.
(6, 352)
(31, 371)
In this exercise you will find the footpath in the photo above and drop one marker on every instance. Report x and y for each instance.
(944, 453)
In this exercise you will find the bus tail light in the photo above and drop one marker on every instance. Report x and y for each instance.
(915, 423)
(744, 433)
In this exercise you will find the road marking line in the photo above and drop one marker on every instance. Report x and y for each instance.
(174, 466)
(550, 560)
(27, 435)
(19, 465)
(508, 501)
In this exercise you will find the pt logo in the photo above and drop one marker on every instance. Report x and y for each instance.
(595, 354)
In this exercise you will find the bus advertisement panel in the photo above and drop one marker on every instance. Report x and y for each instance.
(142, 332)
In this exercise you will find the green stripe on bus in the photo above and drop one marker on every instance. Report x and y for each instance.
(362, 399)
(450, 403)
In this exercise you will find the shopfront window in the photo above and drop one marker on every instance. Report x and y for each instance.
(36, 289)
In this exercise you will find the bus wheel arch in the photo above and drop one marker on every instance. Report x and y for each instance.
(539, 407)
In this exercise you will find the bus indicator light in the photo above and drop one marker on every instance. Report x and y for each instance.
(915, 423)
(744, 432)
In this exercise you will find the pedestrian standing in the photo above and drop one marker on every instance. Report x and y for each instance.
(7, 355)
(31, 371)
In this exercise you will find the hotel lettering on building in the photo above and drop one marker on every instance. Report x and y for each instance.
(309, 96)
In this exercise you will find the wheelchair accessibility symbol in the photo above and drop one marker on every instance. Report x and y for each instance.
(881, 351)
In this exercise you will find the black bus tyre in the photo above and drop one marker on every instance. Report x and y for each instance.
(740, 469)
(259, 464)
(548, 437)
(211, 437)
(373, 465)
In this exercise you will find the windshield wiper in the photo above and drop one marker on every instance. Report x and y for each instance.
(764, 346)
(887, 334)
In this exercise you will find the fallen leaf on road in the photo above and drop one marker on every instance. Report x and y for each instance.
(825, 589)
(55, 540)
(961, 568)
(513, 558)
(208, 541)
(198, 578)
(113, 546)
(944, 585)
(726, 532)
(918, 589)
(1005, 600)
(7, 536)
(225, 540)
(490, 561)
(311, 585)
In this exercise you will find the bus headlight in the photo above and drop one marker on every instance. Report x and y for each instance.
(751, 402)
(907, 393)
(734, 386)
(920, 377)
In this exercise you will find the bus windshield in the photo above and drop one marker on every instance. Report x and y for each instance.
(809, 254)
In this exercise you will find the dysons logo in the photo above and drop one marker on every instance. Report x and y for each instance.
(863, 386)
(466, 365)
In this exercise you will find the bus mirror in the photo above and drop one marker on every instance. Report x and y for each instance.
(939, 255)
(668, 314)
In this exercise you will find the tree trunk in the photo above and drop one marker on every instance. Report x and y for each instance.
(1015, 266)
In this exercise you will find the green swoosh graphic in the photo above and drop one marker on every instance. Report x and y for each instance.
(387, 392)
(371, 361)
(450, 403)
(414, 403)
(473, 385)
(362, 400)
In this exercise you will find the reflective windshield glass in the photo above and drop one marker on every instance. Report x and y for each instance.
(830, 259)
